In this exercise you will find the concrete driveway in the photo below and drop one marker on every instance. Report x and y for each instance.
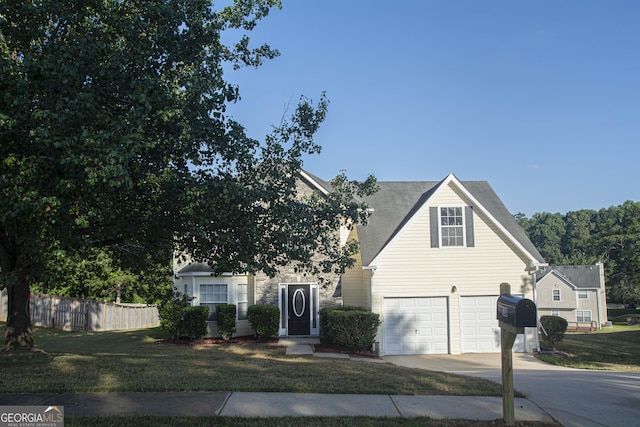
(574, 397)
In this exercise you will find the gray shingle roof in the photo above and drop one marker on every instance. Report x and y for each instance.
(581, 276)
(396, 202)
(196, 267)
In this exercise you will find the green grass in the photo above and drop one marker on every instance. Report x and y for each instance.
(78, 362)
(621, 314)
(616, 348)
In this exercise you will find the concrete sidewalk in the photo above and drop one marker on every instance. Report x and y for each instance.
(242, 404)
(279, 405)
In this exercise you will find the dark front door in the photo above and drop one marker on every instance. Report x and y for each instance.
(299, 307)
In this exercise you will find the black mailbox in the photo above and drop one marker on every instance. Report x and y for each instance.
(516, 311)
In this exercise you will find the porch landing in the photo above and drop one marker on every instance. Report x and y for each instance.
(299, 346)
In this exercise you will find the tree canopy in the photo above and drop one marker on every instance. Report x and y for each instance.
(114, 134)
(610, 235)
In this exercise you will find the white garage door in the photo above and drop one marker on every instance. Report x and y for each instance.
(480, 328)
(415, 326)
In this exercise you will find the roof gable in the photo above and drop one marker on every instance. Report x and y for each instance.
(397, 202)
(555, 274)
(316, 183)
(580, 276)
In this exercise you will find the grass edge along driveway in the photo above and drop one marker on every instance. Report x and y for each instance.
(134, 361)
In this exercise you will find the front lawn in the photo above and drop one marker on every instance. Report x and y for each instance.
(616, 348)
(78, 362)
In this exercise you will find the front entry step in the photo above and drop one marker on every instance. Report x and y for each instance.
(298, 340)
(299, 346)
(299, 350)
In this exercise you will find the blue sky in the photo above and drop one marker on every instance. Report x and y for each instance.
(540, 98)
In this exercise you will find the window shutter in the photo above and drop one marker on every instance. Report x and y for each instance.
(468, 219)
(433, 219)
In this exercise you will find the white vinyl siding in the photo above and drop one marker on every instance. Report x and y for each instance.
(410, 267)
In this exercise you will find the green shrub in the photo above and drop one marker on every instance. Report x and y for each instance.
(325, 325)
(171, 315)
(553, 330)
(195, 322)
(181, 320)
(351, 329)
(226, 319)
(264, 319)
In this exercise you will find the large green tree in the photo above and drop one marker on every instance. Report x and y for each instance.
(610, 235)
(114, 133)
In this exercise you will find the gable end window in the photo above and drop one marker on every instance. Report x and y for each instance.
(556, 294)
(451, 226)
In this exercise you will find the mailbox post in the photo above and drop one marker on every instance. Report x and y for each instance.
(514, 314)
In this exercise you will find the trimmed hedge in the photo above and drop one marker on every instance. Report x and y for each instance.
(554, 328)
(171, 316)
(195, 321)
(181, 320)
(350, 328)
(226, 320)
(264, 319)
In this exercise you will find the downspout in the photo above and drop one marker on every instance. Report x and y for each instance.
(533, 270)
(535, 299)
(372, 269)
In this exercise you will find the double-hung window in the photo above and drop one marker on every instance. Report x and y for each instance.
(242, 300)
(452, 226)
(212, 295)
(583, 316)
(556, 294)
(583, 294)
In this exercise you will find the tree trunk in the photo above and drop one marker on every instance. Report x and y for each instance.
(18, 333)
(118, 292)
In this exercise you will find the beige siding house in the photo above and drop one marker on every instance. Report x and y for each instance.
(431, 261)
(574, 292)
(298, 296)
(432, 257)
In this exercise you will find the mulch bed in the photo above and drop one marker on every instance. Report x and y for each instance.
(318, 348)
(326, 348)
(219, 341)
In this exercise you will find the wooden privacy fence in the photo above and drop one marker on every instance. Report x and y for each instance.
(74, 314)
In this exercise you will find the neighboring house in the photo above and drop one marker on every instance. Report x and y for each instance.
(573, 292)
(432, 257)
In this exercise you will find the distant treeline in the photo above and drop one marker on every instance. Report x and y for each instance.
(610, 235)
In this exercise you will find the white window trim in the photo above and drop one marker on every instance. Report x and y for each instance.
(201, 300)
(553, 295)
(463, 226)
(584, 311)
(241, 301)
(555, 313)
(583, 292)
